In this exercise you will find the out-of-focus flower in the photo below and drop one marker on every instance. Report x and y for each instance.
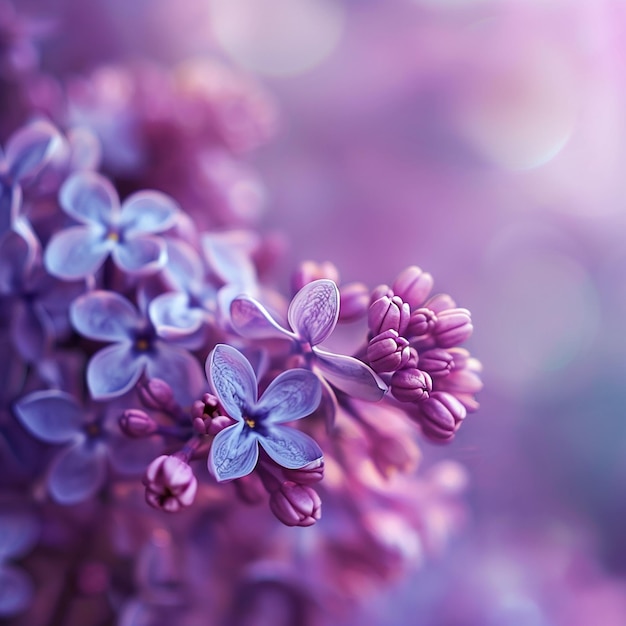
(293, 395)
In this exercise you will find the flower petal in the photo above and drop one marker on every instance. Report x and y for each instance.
(290, 396)
(104, 316)
(228, 254)
(314, 310)
(147, 212)
(232, 378)
(179, 369)
(290, 448)
(19, 531)
(16, 590)
(140, 255)
(250, 319)
(113, 371)
(184, 269)
(77, 473)
(233, 453)
(32, 330)
(10, 203)
(30, 148)
(14, 255)
(76, 252)
(51, 416)
(89, 198)
(172, 316)
(350, 375)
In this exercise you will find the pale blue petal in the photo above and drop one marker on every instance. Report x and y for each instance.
(350, 375)
(290, 396)
(77, 252)
(147, 212)
(228, 255)
(16, 590)
(77, 473)
(179, 369)
(314, 311)
(14, 255)
(32, 330)
(234, 453)
(140, 255)
(30, 148)
(184, 269)
(114, 370)
(250, 319)
(233, 380)
(10, 202)
(89, 198)
(105, 316)
(19, 531)
(172, 316)
(290, 448)
(51, 416)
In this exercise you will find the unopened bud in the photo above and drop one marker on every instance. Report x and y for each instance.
(311, 473)
(422, 321)
(453, 327)
(137, 424)
(296, 505)
(411, 385)
(354, 300)
(170, 484)
(388, 314)
(156, 394)
(437, 362)
(388, 352)
(441, 415)
(413, 285)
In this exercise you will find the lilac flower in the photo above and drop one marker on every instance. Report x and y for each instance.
(289, 397)
(126, 232)
(26, 153)
(79, 470)
(114, 370)
(312, 315)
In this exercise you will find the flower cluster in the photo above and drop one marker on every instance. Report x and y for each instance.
(148, 351)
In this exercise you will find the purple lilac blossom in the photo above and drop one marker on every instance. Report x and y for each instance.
(126, 232)
(294, 394)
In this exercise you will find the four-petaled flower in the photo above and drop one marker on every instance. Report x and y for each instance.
(289, 397)
(312, 315)
(127, 232)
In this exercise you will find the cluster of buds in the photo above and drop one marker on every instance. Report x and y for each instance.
(413, 346)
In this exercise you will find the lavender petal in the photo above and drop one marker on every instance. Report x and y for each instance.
(250, 319)
(77, 473)
(77, 252)
(314, 311)
(89, 198)
(290, 396)
(148, 212)
(140, 255)
(232, 378)
(350, 375)
(290, 448)
(51, 416)
(114, 370)
(233, 453)
(104, 316)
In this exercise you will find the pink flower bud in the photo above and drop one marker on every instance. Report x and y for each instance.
(411, 385)
(379, 292)
(441, 415)
(217, 424)
(354, 302)
(156, 394)
(437, 362)
(388, 314)
(439, 303)
(388, 352)
(170, 484)
(453, 327)
(310, 271)
(296, 505)
(307, 475)
(413, 285)
(422, 321)
(137, 423)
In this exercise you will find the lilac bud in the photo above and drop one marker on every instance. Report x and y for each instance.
(388, 314)
(437, 362)
(296, 505)
(170, 484)
(156, 394)
(441, 415)
(411, 385)
(310, 271)
(422, 321)
(388, 352)
(137, 423)
(354, 302)
(453, 327)
(217, 424)
(439, 303)
(379, 292)
(308, 475)
(413, 285)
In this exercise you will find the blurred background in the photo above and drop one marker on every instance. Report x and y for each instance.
(483, 140)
